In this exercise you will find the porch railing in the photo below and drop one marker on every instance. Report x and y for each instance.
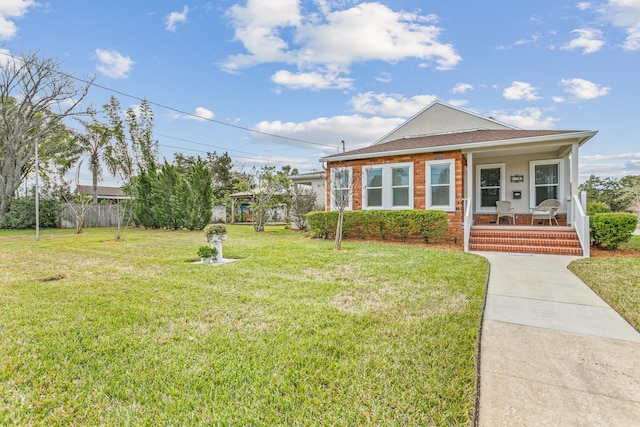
(581, 223)
(468, 222)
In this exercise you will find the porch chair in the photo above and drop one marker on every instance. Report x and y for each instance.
(505, 211)
(546, 210)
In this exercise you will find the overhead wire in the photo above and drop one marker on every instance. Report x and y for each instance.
(220, 122)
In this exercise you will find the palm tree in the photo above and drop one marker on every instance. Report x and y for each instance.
(93, 142)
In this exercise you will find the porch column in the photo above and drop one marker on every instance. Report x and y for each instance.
(468, 206)
(469, 181)
(233, 210)
(574, 180)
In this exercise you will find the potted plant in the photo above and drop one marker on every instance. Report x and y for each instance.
(207, 253)
(215, 232)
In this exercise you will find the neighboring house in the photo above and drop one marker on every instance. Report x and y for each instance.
(457, 161)
(315, 181)
(105, 194)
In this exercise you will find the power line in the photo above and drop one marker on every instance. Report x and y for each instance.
(119, 92)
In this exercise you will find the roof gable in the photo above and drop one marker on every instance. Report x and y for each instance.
(439, 117)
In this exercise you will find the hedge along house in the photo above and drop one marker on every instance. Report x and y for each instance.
(449, 159)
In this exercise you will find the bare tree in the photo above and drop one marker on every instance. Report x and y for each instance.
(341, 196)
(35, 98)
(303, 201)
(79, 204)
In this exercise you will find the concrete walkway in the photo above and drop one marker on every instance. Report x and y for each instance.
(552, 352)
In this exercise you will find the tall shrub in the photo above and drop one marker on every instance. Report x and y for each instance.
(608, 230)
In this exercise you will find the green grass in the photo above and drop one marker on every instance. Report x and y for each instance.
(616, 280)
(95, 331)
(633, 243)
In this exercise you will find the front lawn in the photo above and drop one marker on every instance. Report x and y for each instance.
(96, 331)
(615, 278)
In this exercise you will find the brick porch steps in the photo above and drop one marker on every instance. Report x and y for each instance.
(525, 239)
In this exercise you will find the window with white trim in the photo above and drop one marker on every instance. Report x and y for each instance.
(546, 180)
(373, 182)
(490, 186)
(440, 184)
(341, 187)
(387, 186)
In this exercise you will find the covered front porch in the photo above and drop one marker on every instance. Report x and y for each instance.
(524, 175)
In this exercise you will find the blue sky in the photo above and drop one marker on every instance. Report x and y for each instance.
(322, 71)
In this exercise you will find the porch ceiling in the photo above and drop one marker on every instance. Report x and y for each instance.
(554, 149)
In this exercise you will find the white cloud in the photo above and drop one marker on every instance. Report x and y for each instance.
(529, 118)
(334, 40)
(520, 90)
(175, 18)
(583, 89)
(624, 14)
(200, 114)
(609, 165)
(357, 131)
(9, 11)
(390, 104)
(113, 64)
(384, 77)
(313, 80)
(584, 5)
(588, 39)
(300, 163)
(462, 88)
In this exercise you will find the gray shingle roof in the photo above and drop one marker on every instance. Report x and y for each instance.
(438, 142)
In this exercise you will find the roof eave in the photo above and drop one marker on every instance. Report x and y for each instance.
(582, 136)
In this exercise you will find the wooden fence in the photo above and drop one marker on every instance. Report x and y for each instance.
(96, 216)
(107, 216)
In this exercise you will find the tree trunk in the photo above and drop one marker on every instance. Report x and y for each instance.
(337, 245)
(94, 171)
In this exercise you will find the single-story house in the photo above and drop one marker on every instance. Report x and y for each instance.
(454, 160)
(315, 181)
(105, 194)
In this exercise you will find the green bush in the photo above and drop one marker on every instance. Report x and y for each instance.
(319, 223)
(430, 225)
(22, 213)
(608, 230)
(597, 207)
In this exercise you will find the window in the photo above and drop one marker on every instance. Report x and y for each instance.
(341, 187)
(388, 186)
(546, 177)
(400, 186)
(374, 188)
(490, 186)
(440, 185)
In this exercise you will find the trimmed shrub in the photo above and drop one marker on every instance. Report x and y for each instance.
(319, 223)
(430, 225)
(597, 207)
(608, 230)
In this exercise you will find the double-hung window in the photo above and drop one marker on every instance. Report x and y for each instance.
(373, 190)
(545, 180)
(440, 184)
(388, 186)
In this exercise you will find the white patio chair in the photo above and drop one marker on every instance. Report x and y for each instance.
(505, 211)
(546, 210)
